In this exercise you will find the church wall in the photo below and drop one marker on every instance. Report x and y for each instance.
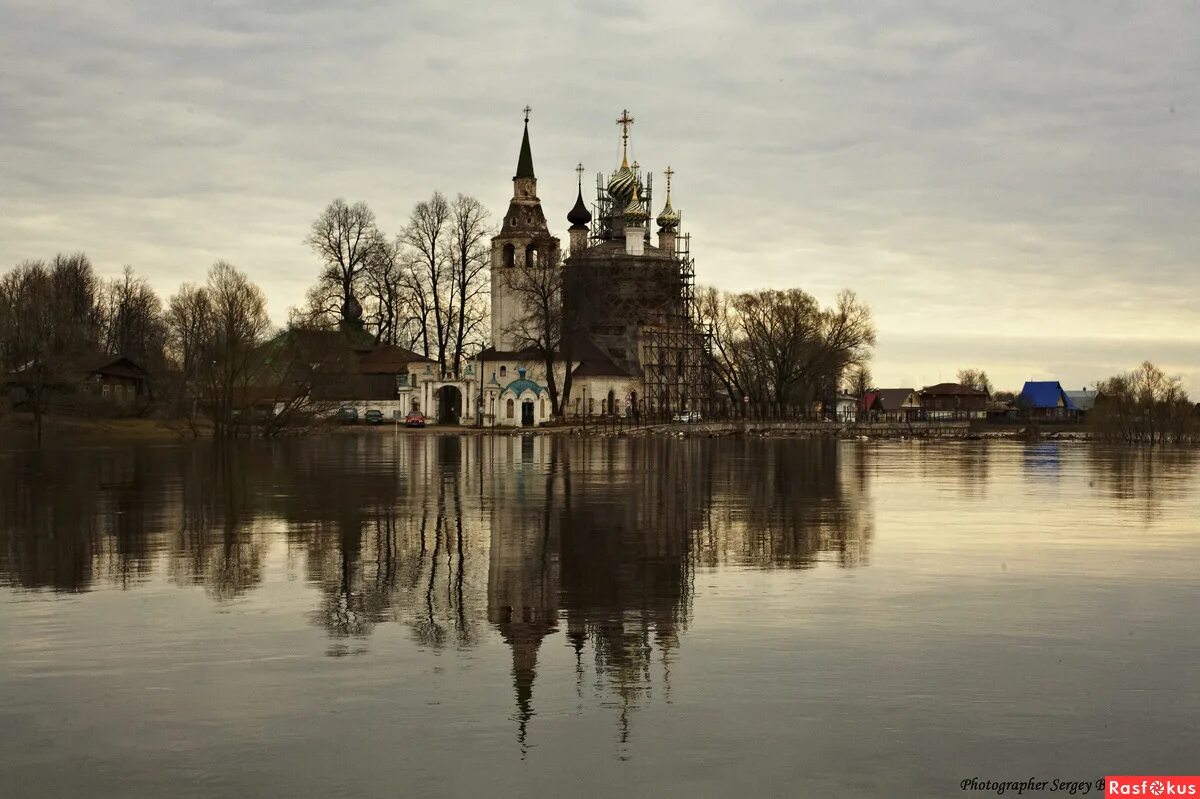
(589, 394)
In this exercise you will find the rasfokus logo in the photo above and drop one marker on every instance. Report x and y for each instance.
(1152, 786)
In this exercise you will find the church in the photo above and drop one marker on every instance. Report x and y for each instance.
(627, 340)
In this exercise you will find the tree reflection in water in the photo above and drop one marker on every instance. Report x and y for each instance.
(598, 539)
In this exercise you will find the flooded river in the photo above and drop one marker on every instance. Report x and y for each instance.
(427, 615)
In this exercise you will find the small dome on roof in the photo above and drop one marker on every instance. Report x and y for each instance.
(579, 215)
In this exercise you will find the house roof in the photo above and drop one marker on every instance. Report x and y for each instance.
(893, 399)
(1045, 394)
(593, 361)
(1084, 400)
(952, 390)
(522, 384)
(493, 354)
(117, 367)
(387, 359)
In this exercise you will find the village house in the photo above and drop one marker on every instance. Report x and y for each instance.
(114, 382)
(953, 401)
(891, 405)
(1045, 399)
(1084, 400)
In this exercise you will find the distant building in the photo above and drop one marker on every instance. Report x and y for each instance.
(953, 401)
(347, 368)
(1084, 400)
(635, 346)
(846, 406)
(891, 404)
(118, 379)
(1045, 399)
(71, 382)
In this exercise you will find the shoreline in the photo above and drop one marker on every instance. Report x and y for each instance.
(18, 429)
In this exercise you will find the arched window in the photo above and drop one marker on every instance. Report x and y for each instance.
(531, 255)
(542, 409)
(510, 255)
(504, 371)
(511, 407)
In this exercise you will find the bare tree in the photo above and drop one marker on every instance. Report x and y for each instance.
(131, 321)
(431, 277)
(974, 378)
(546, 325)
(217, 330)
(188, 320)
(860, 380)
(346, 239)
(468, 255)
(717, 314)
(49, 323)
(1146, 406)
(782, 347)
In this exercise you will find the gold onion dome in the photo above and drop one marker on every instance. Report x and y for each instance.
(621, 186)
(636, 210)
(669, 218)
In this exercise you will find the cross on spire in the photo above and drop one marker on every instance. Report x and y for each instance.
(624, 121)
(579, 172)
(668, 172)
(527, 110)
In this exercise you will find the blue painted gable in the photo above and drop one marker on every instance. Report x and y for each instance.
(1045, 394)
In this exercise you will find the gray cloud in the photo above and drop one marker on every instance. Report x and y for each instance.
(988, 174)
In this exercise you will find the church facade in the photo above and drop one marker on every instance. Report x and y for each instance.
(621, 307)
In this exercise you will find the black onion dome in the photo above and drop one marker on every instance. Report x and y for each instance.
(579, 215)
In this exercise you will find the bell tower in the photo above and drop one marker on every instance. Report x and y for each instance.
(524, 242)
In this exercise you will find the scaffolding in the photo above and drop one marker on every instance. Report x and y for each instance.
(642, 311)
(675, 363)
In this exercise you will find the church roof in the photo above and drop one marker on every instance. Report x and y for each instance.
(525, 161)
(522, 384)
(579, 215)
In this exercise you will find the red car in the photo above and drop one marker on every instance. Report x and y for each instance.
(414, 419)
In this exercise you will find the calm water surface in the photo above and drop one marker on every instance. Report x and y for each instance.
(429, 615)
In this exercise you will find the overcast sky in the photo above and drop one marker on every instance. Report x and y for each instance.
(1013, 186)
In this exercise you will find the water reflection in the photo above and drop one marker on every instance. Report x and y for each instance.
(1141, 481)
(597, 540)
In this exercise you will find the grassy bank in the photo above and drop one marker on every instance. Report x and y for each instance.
(19, 430)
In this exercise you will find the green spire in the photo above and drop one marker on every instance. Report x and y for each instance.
(525, 162)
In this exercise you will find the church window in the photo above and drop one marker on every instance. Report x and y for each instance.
(510, 409)
(531, 255)
(591, 406)
(510, 254)
(542, 408)
(504, 371)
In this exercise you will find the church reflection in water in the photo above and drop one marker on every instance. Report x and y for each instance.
(598, 540)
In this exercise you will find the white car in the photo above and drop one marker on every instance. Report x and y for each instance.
(687, 417)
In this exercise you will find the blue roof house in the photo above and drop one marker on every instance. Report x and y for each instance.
(1045, 399)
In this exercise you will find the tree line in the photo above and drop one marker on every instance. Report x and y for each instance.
(425, 289)
(782, 347)
(211, 349)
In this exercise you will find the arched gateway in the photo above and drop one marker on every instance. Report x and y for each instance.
(449, 404)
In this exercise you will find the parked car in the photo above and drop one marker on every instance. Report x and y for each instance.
(373, 416)
(414, 419)
(687, 417)
(347, 414)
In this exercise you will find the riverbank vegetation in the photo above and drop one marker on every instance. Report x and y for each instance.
(1145, 406)
(783, 348)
